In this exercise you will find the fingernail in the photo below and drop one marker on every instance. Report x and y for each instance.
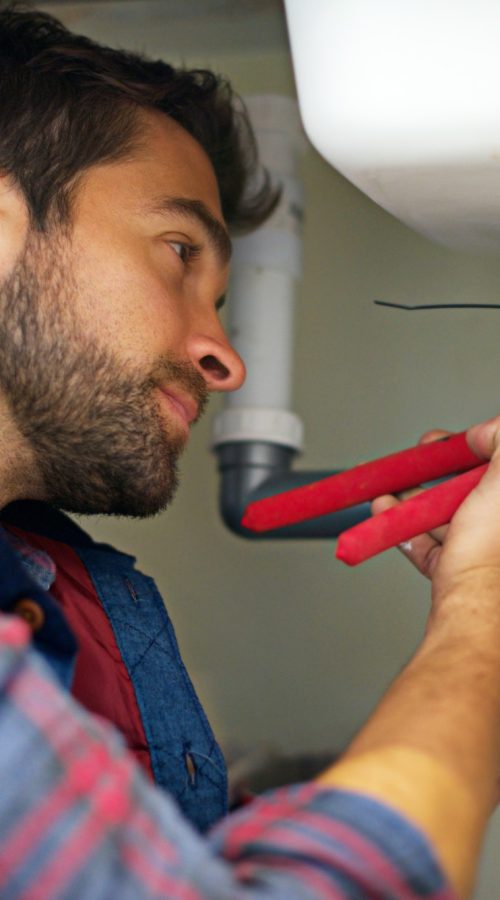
(485, 435)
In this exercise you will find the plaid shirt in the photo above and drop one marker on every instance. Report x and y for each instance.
(78, 819)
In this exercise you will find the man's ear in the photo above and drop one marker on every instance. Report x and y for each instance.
(14, 223)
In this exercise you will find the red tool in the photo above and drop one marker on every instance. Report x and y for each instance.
(388, 475)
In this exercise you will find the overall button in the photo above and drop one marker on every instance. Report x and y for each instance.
(31, 612)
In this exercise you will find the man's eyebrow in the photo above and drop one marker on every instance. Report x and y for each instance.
(196, 210)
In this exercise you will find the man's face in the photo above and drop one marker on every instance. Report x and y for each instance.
(110, 335)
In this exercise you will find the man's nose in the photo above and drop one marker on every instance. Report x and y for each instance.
(217, 361)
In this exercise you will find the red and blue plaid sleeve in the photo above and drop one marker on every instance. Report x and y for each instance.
(79, 820)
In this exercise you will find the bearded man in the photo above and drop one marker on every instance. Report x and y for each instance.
(120, 178)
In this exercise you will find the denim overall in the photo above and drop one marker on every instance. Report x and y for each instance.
(176, 728)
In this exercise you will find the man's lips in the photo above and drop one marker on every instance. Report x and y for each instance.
(186, 406)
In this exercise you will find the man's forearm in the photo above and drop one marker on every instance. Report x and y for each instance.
(432, 746)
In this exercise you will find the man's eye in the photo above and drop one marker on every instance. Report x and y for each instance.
(186, 252)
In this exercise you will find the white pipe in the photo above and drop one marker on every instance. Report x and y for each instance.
(266, 269)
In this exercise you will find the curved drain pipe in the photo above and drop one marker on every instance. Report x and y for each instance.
(256, 437)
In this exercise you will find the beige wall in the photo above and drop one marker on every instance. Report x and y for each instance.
(286, 646)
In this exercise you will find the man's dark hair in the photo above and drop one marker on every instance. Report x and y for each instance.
(68, 103)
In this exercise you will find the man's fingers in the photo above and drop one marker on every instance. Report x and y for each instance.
(434, 434)
(423, 550)
(484, 439)
(380, 504)
(439, 534)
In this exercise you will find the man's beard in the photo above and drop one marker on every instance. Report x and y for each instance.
(99, 440)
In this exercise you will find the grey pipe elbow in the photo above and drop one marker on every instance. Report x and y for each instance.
(252, 470)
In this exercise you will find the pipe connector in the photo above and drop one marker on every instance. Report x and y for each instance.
(274, 426)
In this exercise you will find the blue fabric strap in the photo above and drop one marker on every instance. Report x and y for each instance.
(185, 757)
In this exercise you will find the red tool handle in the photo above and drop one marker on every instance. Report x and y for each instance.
(419, 514)
(388, 475)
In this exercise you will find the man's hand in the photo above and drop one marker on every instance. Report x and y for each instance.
(432, 747)
(423, 551)
(472, 540)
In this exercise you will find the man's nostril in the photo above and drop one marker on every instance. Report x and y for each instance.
(214, 367)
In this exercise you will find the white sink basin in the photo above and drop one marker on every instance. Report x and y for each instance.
(403, 98)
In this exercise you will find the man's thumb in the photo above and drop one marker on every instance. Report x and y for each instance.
(484, 439)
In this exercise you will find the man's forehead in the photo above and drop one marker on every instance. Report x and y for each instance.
(163, 141)
(174, 164)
